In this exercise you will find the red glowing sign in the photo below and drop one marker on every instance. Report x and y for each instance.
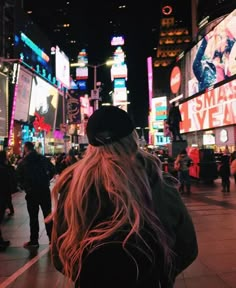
(175, 79)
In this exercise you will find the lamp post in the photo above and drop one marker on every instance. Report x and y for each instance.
(94, 92)
(143, 141)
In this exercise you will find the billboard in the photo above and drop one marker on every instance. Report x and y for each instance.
(32, 46)
(213, 108)
(3, 106)
(44, 100)
(210, 62)
(62, 68)
(23, 95)
(159, 112)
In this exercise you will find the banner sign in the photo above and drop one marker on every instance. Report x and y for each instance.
(73, 107)
(214, 108)
(23, 95)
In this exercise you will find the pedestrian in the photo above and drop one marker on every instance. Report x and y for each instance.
(119, 220)
(173, 120)
(224, 172)
(182, 164)
(13, 189)
(34, 173)
(5, 194)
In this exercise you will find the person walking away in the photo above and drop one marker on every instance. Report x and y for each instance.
(5, 194)
(224, 172)
(174, 118)
(183, 162)
(34, 173)
(119, 220)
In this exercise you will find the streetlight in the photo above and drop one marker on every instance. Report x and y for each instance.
(94, 92)
(143, 141)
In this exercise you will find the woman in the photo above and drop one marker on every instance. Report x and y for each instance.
(119, 222)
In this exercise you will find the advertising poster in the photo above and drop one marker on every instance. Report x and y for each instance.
(211, 61)
(73, 107)
(3, 106)
(44, 100)
(62, 68)
(23, 95)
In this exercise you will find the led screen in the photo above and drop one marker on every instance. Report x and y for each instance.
(211, 61)
(213, 108)
(44, 99)
(32, 46)
(62, 68)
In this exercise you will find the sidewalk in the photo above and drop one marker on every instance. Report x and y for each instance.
(214, 216)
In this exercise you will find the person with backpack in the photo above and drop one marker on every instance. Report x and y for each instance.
(34, 173)
(119, 220)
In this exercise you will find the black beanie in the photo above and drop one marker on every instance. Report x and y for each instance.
(107, 125)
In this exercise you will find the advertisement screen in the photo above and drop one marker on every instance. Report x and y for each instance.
(32, 46)
(62, 68)
(3, 106)
(44, 99)
(159, 112)
(211, 61)
(214, 108)
(23, 95)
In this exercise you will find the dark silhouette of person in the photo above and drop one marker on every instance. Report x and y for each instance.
(34, 173)
(174, 118)
(5, 194)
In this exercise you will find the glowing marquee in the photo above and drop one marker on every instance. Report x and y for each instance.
(214, 108)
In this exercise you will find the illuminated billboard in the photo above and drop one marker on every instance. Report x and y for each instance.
(159, 112)
(214, 108)
(210, 62)
(44, 100)
(23, 95)
(32, 46)
(62, 68)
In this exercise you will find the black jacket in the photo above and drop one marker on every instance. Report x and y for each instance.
(110, 266)
(34, 172)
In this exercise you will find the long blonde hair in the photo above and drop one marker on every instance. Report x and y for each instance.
(121, 170)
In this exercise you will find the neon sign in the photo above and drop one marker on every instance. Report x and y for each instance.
(34, 47)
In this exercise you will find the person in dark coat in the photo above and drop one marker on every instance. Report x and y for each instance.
(173, 120)
(224, 172)
(5, 193)
(119, 220)
(34, 173)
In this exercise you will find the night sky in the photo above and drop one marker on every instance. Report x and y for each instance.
(90, 25)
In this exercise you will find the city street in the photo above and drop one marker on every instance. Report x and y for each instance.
(214, 216)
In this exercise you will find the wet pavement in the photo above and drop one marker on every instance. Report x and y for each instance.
(214, 217)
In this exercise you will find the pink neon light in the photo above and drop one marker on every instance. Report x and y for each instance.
(10, 140)
(150, 92)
